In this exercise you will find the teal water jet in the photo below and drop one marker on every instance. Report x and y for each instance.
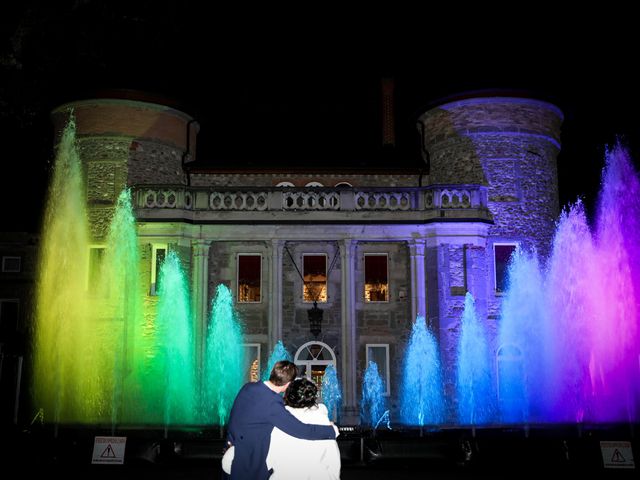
(224, 359)
(169, 374)
(279, 353)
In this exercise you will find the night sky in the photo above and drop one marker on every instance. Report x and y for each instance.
(259, 84)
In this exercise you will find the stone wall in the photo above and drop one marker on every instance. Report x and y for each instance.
(380, 322)
(222, 270)
(510, 145)
(123, 143)
(154, 163)
(452, 271)
(384, 322)
(523, 188)
(295, 319)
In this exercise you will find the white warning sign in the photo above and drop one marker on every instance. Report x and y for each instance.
(108, 450)
(617, 455)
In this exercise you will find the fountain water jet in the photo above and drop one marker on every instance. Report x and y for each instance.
(474, 386)
(331, 392)
(61, 375)
(373, 402)
(615, 359)
(169, 375)
(568, 342)
(522, 340)
(118, 305)
(224, 358)
(422, 397)
(279, 353)
(580, 351)
(84, 334)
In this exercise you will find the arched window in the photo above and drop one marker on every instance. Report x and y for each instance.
(343, 185)
(312, 359)
(314, 184)
(285, 184)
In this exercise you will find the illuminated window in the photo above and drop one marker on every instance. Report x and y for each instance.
(314, 272)
(251, 362)
(285, 184)
(96, 256)
(501, 256)
(379, 353)
(158, 254)
(314, 184)
(11, 264)
(249, 277)
(376, 283)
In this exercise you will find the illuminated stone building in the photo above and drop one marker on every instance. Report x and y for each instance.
(374, 246)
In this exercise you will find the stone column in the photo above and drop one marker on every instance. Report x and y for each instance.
(275, 303)
(348, 330)
(418, 284)
(200, 294)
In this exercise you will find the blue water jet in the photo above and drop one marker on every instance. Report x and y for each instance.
(474, 386)
(331, 392)
(422, 397)
(523, 337)
(373, 401)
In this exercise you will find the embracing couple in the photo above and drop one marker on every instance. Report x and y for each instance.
(270, 441)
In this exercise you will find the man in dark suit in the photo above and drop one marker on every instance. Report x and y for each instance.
(258, 408)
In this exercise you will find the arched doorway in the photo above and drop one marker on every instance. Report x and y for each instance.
(312, 359)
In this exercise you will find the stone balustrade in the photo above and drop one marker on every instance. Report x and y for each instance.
(464, 200)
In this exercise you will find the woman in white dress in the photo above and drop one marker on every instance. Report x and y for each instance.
(292, 458)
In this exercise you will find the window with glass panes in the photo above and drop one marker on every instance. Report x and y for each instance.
(249, 278)
(376, 280)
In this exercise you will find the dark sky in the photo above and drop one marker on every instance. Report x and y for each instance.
(260, 81)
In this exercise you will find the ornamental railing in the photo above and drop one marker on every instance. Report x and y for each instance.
(283, 199)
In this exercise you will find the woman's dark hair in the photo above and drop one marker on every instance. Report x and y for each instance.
(301, 393)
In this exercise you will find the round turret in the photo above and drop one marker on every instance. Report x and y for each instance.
(509, 144)
(124, 141)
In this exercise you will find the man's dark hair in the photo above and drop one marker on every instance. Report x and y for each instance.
(283, 372)
(301, 393)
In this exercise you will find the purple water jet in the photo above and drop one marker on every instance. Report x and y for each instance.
(574, 325)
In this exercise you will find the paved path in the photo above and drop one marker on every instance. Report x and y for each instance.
(503, 455)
